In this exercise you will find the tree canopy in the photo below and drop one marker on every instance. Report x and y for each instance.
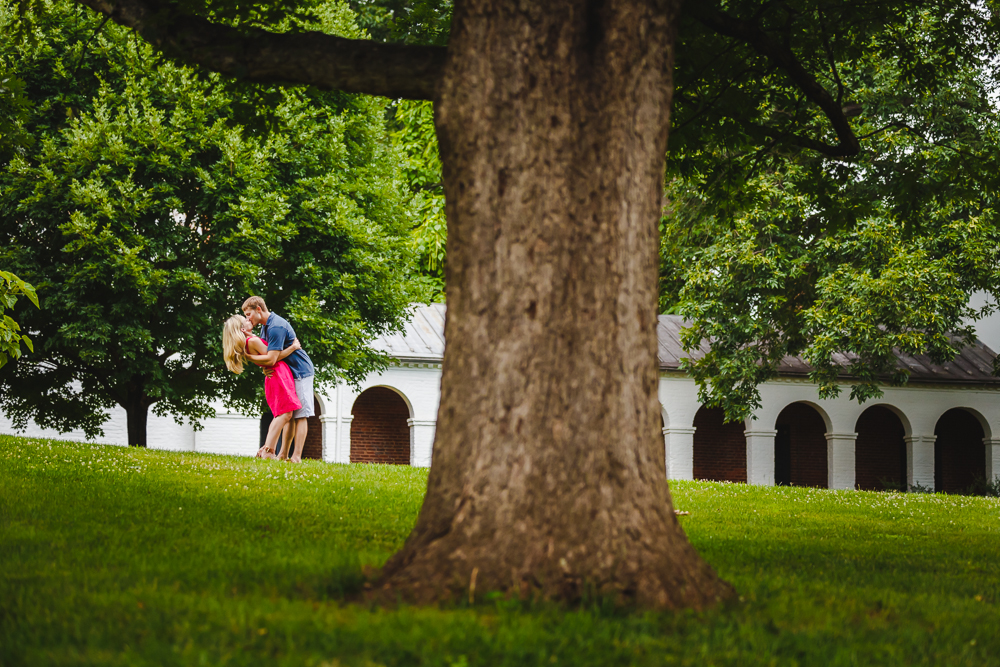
(155, 198)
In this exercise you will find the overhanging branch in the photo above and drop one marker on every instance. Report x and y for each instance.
(785, 59)
(310, 58)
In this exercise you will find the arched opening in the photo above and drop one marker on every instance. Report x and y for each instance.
(800, 447)
(959, 454)
(720, 448)
(880, 451)
(379, 432)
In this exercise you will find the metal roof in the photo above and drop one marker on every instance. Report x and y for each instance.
(422, 340)
(973, 365)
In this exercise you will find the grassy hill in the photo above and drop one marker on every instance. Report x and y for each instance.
(117, 556)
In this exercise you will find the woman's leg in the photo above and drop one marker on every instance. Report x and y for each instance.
(277, 424)
(287, 439)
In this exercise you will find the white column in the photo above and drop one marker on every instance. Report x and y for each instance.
(920, 460)
(992, 458)
(678, 449)
(760, 457)
(421, 441)
(337, 409)
(343, 453)
(840, 460)
(328, 427)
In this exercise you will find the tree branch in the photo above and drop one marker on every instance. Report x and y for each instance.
(782, 56)
(829, 57)
(311, 58)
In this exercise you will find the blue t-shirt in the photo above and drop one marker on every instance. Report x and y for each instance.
(279, 335)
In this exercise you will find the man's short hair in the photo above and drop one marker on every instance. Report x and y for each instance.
(253, 303)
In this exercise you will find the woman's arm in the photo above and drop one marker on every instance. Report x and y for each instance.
(256, 351)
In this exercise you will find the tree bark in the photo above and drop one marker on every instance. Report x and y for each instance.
(552, 120)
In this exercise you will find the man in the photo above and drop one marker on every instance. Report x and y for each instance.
(279, 335)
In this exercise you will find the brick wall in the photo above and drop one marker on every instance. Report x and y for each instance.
(807, 453)
(880, 451)
(379, 433)
(720, 449)
(959, 453)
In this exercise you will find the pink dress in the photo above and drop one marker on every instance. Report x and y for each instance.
(279, 388)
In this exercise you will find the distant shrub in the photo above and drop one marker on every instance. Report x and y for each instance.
(891, 484)
(982, 487)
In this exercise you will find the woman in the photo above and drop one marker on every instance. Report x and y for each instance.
(238, 342)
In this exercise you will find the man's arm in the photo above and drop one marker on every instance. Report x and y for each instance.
(296, 345)
(274, 356)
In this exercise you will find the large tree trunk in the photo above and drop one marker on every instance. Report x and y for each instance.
(136, 406)
(553, 119)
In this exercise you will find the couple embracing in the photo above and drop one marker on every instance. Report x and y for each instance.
(288, 385)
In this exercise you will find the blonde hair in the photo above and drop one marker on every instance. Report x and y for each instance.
(234, 343)
(254, 303)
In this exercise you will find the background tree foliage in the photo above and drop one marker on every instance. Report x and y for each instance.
(405, 21)
(13, 111)
(412, 125)
(772, 244)
(155, 198)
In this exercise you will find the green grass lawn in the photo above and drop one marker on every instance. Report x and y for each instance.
(127, 557)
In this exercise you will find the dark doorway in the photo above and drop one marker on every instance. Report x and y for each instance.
(880, 451)
(783, 456)
(720, 448)
(803, 429)
(959, 453)
(313, 447)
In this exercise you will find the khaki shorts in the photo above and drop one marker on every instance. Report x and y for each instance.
(304, 390)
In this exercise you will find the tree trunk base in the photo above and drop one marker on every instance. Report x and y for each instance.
(628, 569)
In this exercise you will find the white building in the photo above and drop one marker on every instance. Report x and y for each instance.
(942, 431)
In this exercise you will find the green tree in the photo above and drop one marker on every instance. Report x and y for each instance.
(771, 246)
(156, 198)
(552, 122)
